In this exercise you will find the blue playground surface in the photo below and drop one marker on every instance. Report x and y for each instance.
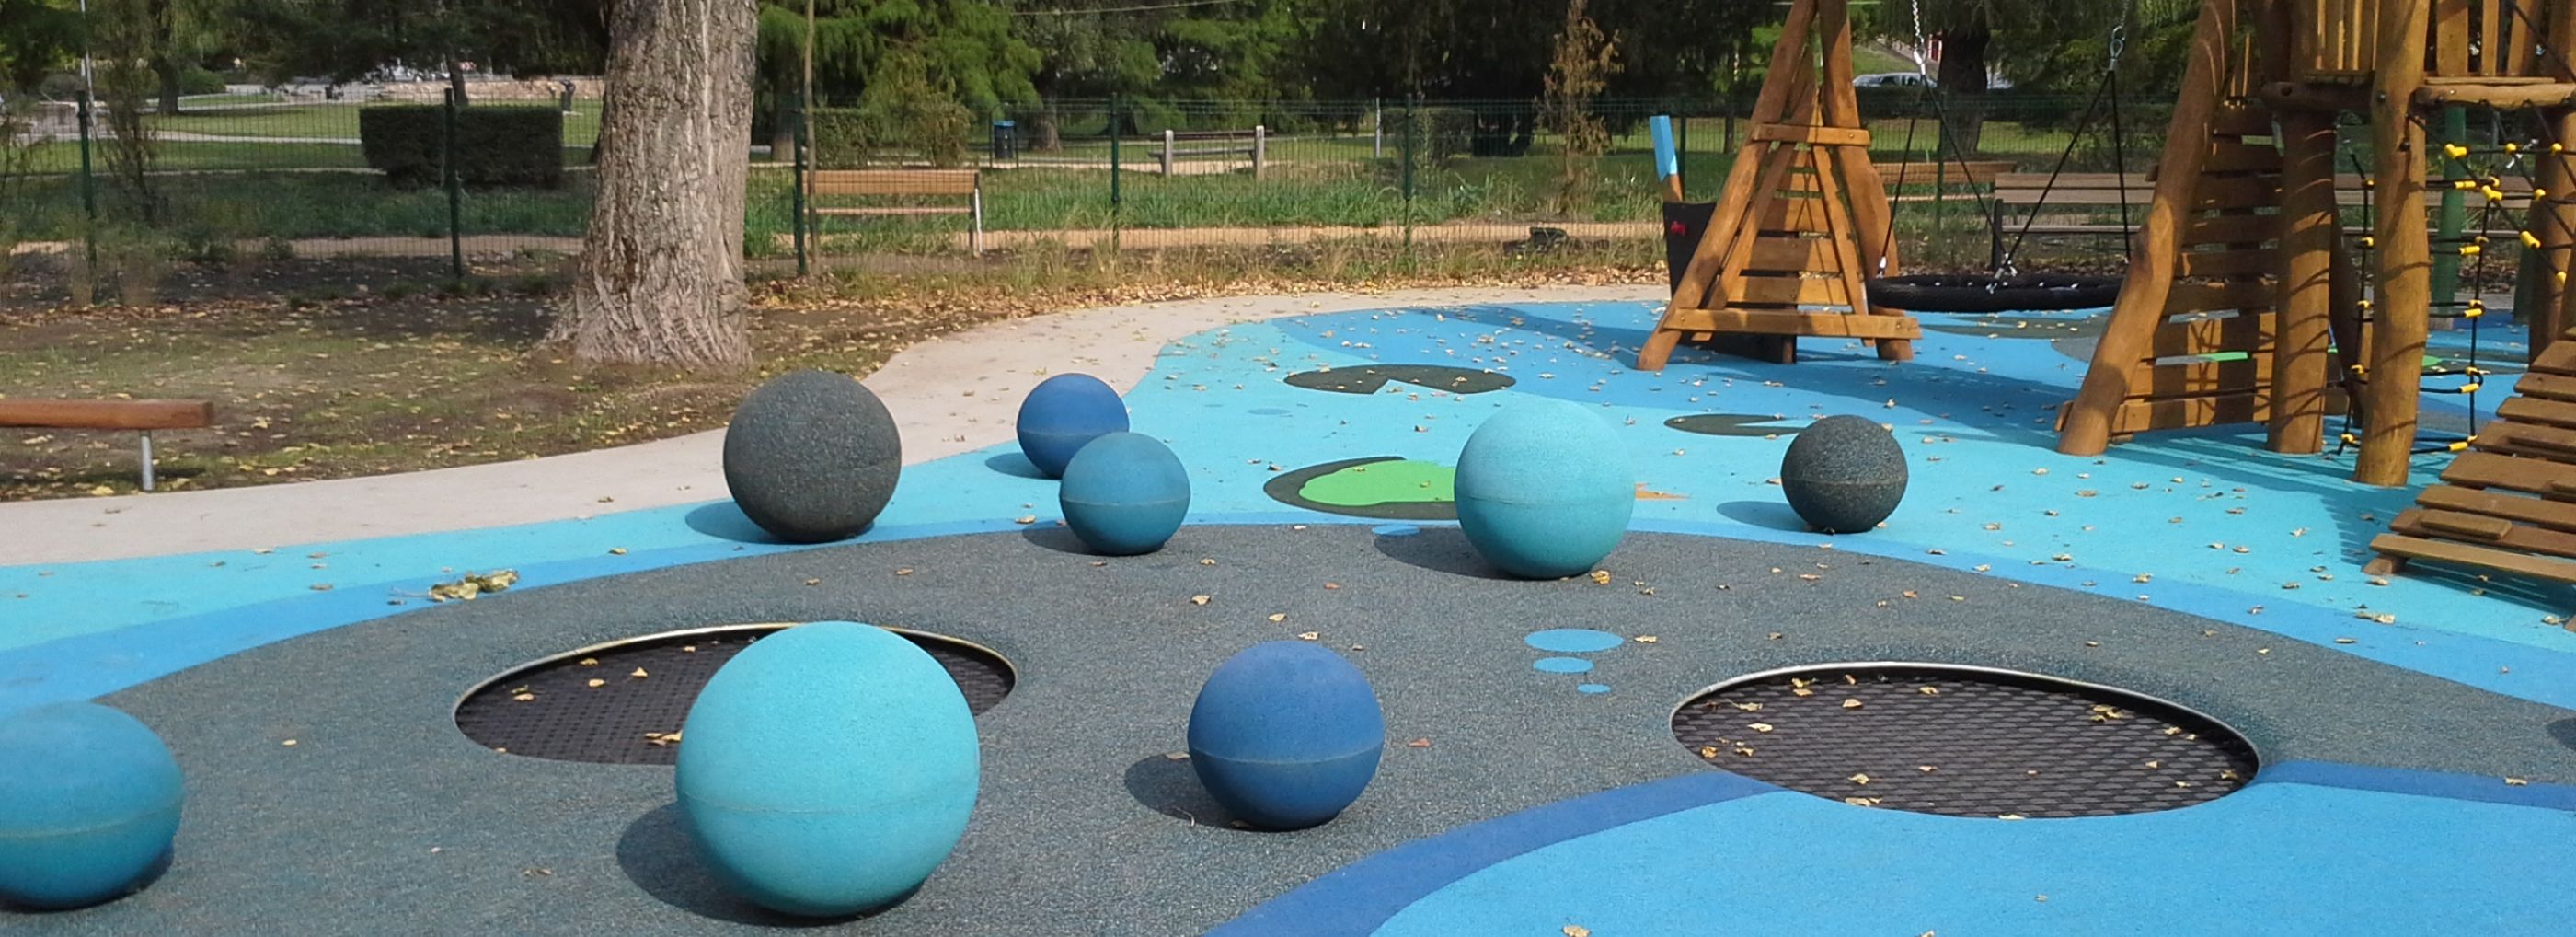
(2423, 843)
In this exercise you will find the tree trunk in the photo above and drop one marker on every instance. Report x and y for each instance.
(782, 130)
(661, 269)
(456, 82)
(1963, 84)
(167, 71)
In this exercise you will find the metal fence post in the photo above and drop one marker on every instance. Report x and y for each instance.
(1412, 128)
(1117, 197)
(1377, 129)
(455, 193)
(89, 181)
(796, 198)
(1167, 152)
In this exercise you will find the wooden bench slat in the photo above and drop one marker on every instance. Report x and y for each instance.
(899, 210)
(891, 182)
(107, 414)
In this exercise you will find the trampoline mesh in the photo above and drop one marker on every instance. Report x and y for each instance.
(1965, 743)
(550, 710)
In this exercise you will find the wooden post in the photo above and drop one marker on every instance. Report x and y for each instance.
(2403, 308)
(2308, 233)
(1870, 211)
(2553, 217)
(2126, 337)
(1260, 148)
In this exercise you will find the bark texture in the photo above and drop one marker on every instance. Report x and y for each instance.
(661, 268)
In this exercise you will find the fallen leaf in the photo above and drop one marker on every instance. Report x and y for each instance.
(1418, 743)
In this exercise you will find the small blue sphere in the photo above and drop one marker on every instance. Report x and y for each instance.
(1125, 494)
(1063, 413)
(1286, 734)
(89, 805)
(1543, 490)
(828, 769)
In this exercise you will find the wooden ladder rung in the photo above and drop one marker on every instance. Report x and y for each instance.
(2420, 548)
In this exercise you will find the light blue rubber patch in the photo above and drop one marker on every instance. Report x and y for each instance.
(1595, 688)
(2273, 858)
(1395, 530)
(1573, 640)
(1563, 665)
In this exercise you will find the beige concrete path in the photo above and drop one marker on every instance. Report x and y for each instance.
(949, 395)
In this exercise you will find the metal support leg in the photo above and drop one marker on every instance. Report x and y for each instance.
(147, 460)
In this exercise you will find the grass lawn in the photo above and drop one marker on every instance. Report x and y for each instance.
(64, 157)
(348, 368)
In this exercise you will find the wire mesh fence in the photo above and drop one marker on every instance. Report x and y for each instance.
(267, 176)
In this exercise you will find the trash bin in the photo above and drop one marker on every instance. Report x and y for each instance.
(1006, 140)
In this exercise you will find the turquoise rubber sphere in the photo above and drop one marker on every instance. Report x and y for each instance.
(1544, 491)
(89, 804)
(828, 769)
(1125, 494)
(1285, 734)
(1064, 413)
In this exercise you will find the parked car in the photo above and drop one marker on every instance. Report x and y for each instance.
(1892, 80)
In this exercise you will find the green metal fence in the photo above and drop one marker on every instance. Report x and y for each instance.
(247, 177)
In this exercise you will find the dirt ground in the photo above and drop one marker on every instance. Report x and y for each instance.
(331, 368)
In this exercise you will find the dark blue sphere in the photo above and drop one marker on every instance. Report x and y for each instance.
(89, 804)
(1286, 734)
(1063, 413)
(1125, 494)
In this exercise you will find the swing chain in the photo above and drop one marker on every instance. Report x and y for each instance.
(1922, 44)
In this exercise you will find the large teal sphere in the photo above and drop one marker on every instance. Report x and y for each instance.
(1125, 494)
(1543, 489)
(1286, 734)
(1064, 413)
(89, 804)
(828, 769)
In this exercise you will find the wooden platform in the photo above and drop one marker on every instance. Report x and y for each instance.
(2508, 504)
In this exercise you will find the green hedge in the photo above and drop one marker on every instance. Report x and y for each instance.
(495, 146)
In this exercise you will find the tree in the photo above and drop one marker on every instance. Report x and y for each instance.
(36, 37)
(965, 47)
(349, 39)
(1585, 59)
(661, 279)
(1971, 30)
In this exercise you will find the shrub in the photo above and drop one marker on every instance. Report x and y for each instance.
(200, 81)
(495, 146)
(1439, 134)
(930, 129)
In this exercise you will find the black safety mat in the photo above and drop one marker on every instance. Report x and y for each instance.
(552, 710)
(1965, 743)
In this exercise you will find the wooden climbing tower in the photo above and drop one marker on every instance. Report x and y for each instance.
(2223, 315)
(1802, 223)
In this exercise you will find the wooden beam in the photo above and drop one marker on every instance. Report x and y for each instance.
(107, 414)
(2098, 403)
(2404, 305)
(2306, 252)
(1768, 322)
(2520, 564)
(2503, 97)
(1820, 136)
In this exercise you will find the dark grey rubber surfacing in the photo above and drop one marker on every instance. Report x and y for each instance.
(384, 816)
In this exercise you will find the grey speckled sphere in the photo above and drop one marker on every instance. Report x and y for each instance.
(811, 456)
(1844, 474)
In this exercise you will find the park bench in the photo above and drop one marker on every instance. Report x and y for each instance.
(901, 183)
(2098, 195)
(140, 415)
(1253, 144)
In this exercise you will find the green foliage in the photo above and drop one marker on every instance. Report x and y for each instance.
(128, 35)
(36, 37)
(962, 46)
(1436, 134)
(347, 39)
(495, 146)
(200, 81)
(1584, 61)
